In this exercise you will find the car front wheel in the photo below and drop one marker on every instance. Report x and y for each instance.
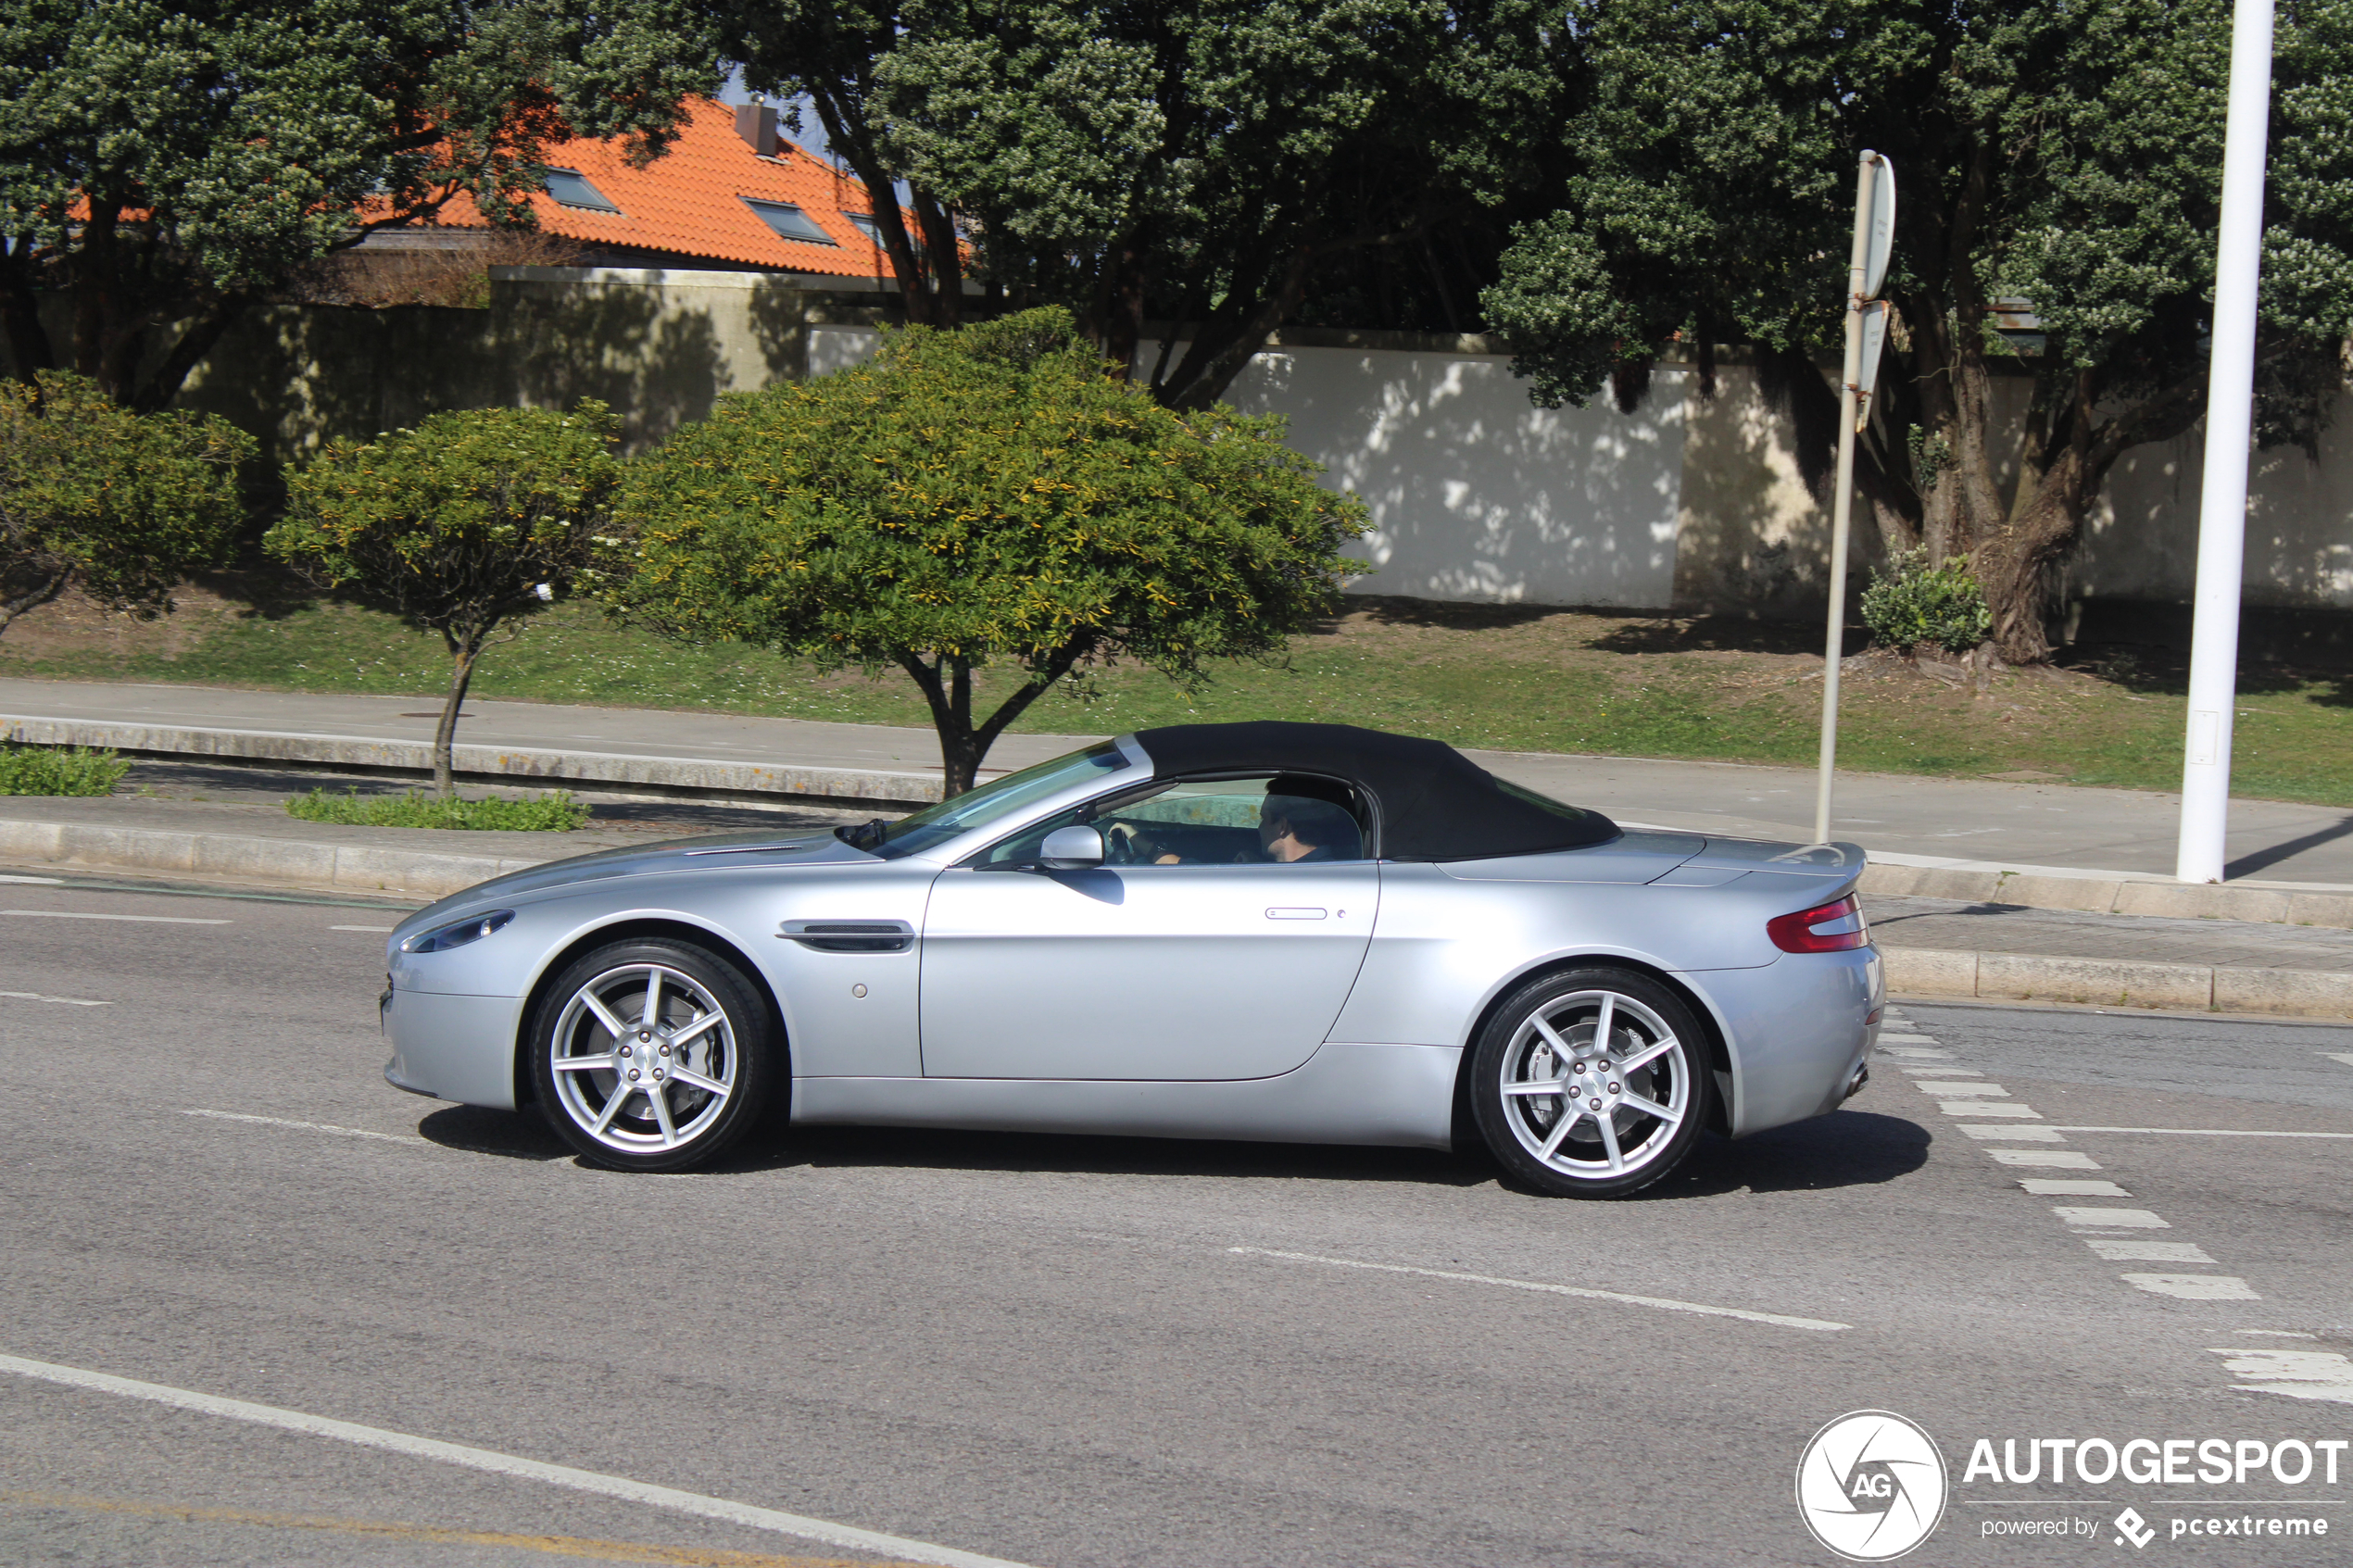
(652, 1056)
(1591, 1083)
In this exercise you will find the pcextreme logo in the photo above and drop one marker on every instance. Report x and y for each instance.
(1871, 1486)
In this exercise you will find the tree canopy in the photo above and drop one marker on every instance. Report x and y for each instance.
(1208, 162)
(474, 518)
(167, 164)
(121, 505)
(977, 496)
(2061, 157)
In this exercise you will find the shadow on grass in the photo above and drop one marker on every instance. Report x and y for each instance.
(1846, 1149)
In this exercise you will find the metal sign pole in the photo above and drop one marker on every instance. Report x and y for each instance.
(1860, 286)
(2230, 413)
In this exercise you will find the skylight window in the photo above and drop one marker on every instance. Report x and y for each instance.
(789, 221)
(571, 188)
(865, 223)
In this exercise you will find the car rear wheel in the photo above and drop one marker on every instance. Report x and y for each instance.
(1591, 1083)
(653, 1056)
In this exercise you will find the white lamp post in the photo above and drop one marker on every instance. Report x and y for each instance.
(2230, 412)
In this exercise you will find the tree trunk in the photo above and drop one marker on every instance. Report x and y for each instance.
(961, 745)
(2013, 562)
(462, 655)
(40, 592)
(29, 345)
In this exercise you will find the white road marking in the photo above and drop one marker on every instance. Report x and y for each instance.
(1987, 1108)
(1887, 1037)
(2203, 1132)
(2054, 1159)
(2136, 1251)
(1913, 1052)
(67, 1001)
(2045, 1186)
(2014, 1134)
(1938, 1070)
(2299, 1374)
(1955, 1090)
(496, 1463)
(2345, 1057)
(308, 1126)
(35, 881)
(2111, 1219)
(376, 928)
(1662, 1302)
(2193, 1287)
(142, 920)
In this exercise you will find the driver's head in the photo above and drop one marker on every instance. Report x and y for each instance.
(1293, 825)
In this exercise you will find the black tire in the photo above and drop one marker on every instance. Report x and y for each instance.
(1653, 1111)
(713, 1088)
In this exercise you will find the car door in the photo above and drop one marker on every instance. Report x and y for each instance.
(1198, 968)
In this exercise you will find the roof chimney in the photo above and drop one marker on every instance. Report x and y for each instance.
(756, 123)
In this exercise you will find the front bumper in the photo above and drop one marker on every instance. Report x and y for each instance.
(451, 1048)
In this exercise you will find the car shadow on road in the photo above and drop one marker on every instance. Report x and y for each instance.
(1844, 1148)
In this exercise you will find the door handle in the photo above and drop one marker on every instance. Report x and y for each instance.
(1295, 912)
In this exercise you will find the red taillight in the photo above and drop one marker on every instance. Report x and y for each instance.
(1825, 928)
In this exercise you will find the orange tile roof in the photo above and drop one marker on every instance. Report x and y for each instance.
(687, 201)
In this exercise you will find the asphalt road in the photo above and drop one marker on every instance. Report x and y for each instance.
(1075, 1352)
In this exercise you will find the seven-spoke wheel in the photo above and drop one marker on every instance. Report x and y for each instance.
(651, 1056)
(1590, 1083)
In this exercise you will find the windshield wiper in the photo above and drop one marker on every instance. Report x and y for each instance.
(866, 835)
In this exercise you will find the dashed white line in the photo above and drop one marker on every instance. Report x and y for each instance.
(2299, 1374)
(2011, 1135)
(2203, 1132)
(1955, 1090)
(496, 1463)
(307, 1126)
(1987, 1108)
(2054, 1159)
(2110, 1219)
(2138, 1251)
(64, 1002)
(2193, 1287)
(142, 920)
(2045, 1186)
(1663, 1303)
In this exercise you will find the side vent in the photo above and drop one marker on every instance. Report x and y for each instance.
(850, 936)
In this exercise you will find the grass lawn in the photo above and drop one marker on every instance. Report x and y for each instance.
(1515, 678)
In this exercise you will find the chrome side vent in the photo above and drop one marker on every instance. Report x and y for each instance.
(850, 936)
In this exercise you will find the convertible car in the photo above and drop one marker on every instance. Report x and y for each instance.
(1303, 932)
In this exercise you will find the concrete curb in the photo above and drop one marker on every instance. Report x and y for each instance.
(674, 775)
(234, 858)
(2289, 992)
(2108, 893)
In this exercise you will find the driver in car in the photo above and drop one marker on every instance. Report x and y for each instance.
(1292, 829)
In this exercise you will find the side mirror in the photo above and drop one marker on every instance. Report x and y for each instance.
(1071, 849)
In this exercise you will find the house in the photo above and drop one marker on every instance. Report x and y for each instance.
(729, 195)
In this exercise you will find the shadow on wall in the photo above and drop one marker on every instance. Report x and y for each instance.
(1475, 493)
(655, 359)
(2141, 541)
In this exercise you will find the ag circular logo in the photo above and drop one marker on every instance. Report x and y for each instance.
(1871, 1486)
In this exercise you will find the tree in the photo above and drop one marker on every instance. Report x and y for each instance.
(473, 520)
(167, 165)
(1205, 161)
(987, 495)
(2058, 156)
(122, 505)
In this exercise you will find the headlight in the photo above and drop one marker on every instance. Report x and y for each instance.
(473, 928)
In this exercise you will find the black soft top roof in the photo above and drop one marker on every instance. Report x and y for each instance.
(1432, 802)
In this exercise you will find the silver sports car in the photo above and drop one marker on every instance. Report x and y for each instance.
(1302, 932)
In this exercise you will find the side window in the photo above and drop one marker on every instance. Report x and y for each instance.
(1265, 818)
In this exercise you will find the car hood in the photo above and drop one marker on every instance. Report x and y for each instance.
(716, 851)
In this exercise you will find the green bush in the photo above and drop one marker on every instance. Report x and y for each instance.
(1913, 603)
(51, 770)
(983, 496)
(558, 812)
(475, 518)
(122, 505)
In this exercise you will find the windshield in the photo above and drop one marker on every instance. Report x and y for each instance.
(993, 800)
